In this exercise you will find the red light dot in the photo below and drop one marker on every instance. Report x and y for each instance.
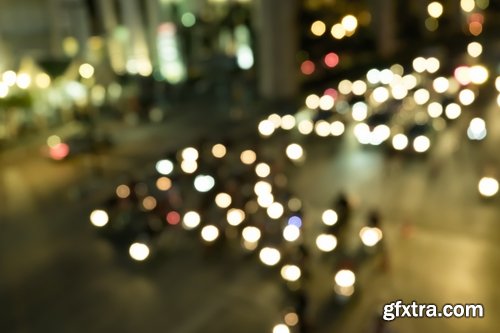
(476, 17)
(307, 67)
(332, 92)
(59, 151)
(331, 59)
(173, 218)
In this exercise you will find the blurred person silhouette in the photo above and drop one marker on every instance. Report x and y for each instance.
(343, 208)
(301, 307)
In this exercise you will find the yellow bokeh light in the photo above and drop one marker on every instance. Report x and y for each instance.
(474, 49)
(248, 157)
(338, 31)
(70, 46)
(349, 23)
(163, 183)
(318, 28)
(86, 70)
(478, 74)
(435, 9)
(467, 5)
(219, 150)
(431, 24)
(122, 191)
(42, 80)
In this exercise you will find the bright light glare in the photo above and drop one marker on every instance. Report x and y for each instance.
(421, 96)
(421, 144)
(99, 218)
(275, 119)
(290, 272)
(477, 129)
(23, 80)
(345, 87)
(326, 102)
(4, 90)
(466, 97)
(266, 127)
(380, 134)
(440, 84)
(474, 49)
(478, 74)
(435, 9)
(419, 64)
(329, 217)
(345, 278)
(189, 166)
(373, 76)
(326, 242)
(453, 111)
(322, 128)
(432, 65)
(190, 154)
(191, 220)
(488, 186)
(265, 200)
(204, 183)
(467, 5)
(337, 128)
(244, 57)
(138, 251)
(349, 23)
(223, 200)
(318, 28)
(400, 141)
(287, 122)
(262, 187)
(338, 31)
(312, 101)
(251, 234)
(209, 233)
(359, 111)
(262, 170)
(269, 256)
(305, 127)
(294, 151)
(275, 210)
(281, 328)
(9, 78)
(291, 233)
(86, 71)
(164, 167)
(235, 216)
(362, 133)
(370, 236)
(380, 94)
(358, 87)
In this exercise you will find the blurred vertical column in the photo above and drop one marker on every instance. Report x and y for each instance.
(153, 14)
(108, 17)
(384, 25)
(138, 61)
(69, 18)
(277, 37)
